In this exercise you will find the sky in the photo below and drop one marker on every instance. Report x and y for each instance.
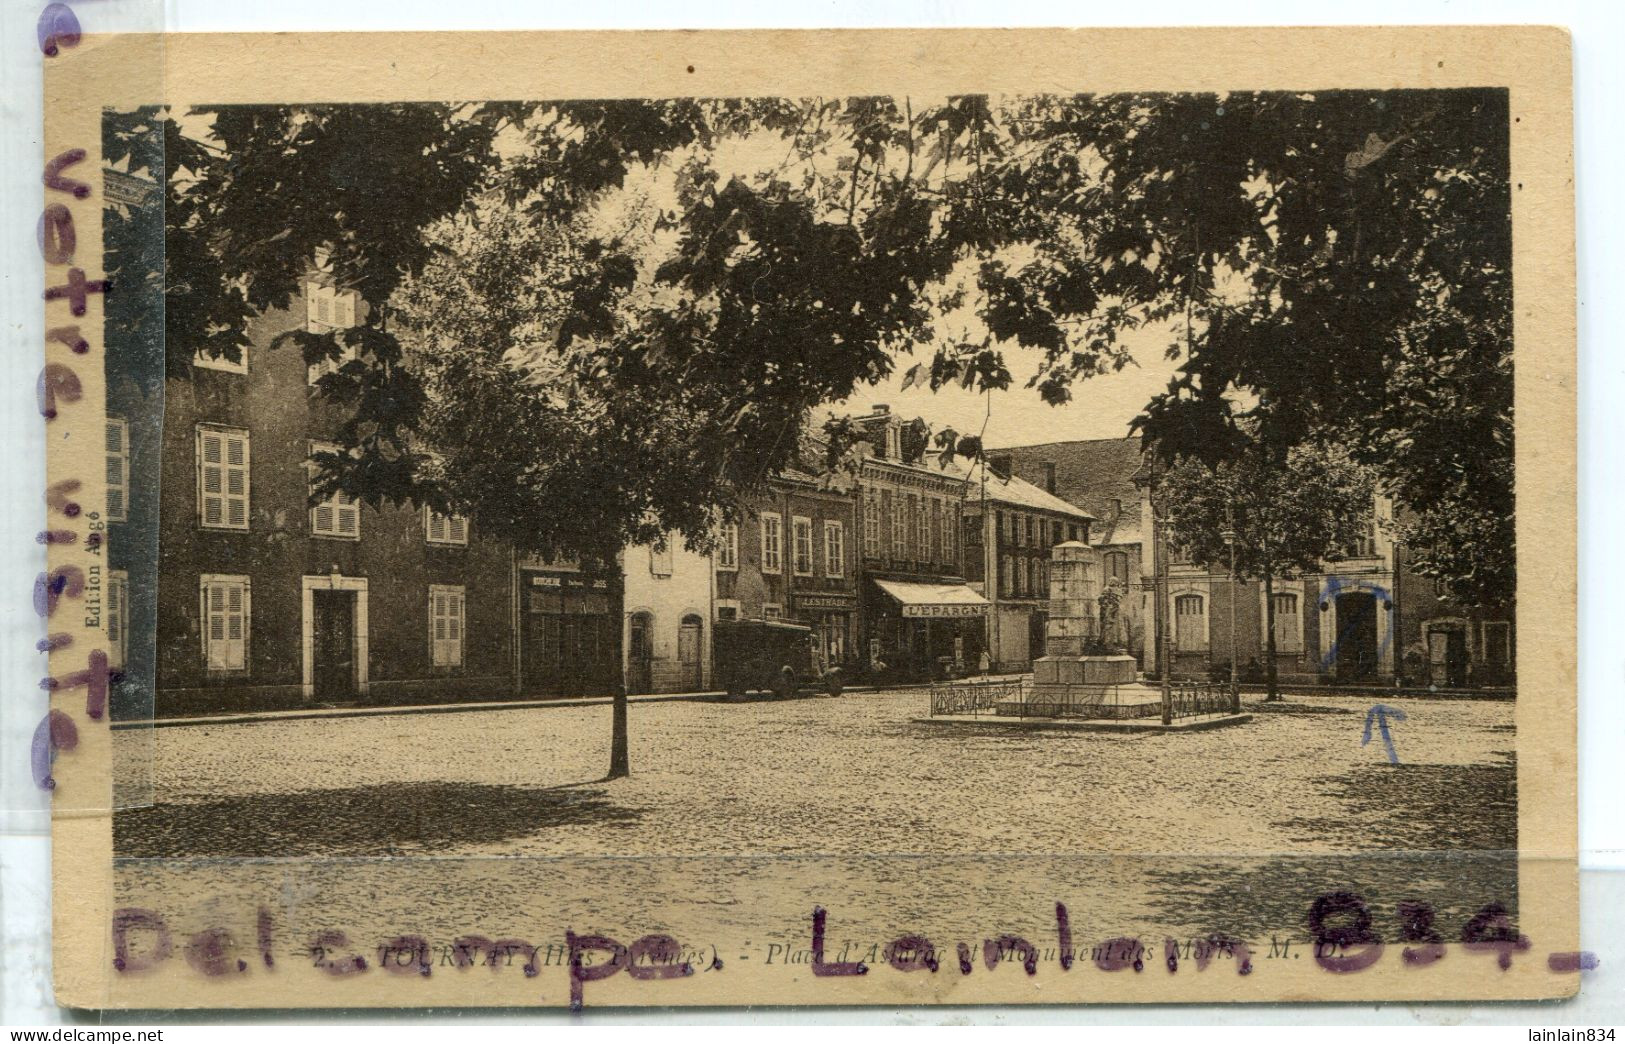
(1101, 407)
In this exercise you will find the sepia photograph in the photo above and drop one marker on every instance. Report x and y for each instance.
(936, 538)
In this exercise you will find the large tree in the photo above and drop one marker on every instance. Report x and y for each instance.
(1286, 510)
(1331, 260)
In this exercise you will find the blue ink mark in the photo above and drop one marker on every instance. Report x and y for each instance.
(1381, 712)
(1381, 600)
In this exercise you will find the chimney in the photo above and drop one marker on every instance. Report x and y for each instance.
(881, 409)
(1001, 463)
(1049, 477)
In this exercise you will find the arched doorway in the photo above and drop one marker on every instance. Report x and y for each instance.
(640, 653)
(690, 663)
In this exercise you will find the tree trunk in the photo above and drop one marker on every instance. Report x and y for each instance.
(1272, 692)
(618, 764)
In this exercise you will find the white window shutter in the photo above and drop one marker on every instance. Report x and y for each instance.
(437, 526)
(458, 525)
(211, 453)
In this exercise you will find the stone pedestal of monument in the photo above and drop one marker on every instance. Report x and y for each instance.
(1066, 679)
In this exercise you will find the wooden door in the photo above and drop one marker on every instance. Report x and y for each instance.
(333, 665)
(689, 637)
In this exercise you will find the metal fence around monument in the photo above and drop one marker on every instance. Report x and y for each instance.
(1013, 697)
(975, 697)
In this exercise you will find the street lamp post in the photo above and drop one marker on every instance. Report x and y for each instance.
(1228, 535)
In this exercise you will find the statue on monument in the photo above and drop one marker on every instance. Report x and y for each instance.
(1112, 640)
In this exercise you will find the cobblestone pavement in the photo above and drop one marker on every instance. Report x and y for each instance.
(738, 816)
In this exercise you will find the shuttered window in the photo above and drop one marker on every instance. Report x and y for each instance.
(116, 615)
(118, 470)
(1288, 628)
(834, 549)
(446, 626)
(802, 546)
(340, 514)
(1190, 623)
(728, 547)
(772, 544)
(871, 523)
(445, 529)
(328, 309)
(222, 455)
(225, 622)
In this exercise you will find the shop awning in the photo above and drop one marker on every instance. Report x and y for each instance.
(935, 599)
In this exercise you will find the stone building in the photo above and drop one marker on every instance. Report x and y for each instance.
(918, 617)
(231, 590)
(792, 558)
(1098, 475)
(1010, 528)
(1363, 618)
(667, 598)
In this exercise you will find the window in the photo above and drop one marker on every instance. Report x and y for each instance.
(222, 463)
(1006, 575)
(1288, 629)
(772, 543)
(225, 621)
(834, 549)
(1032, 535)
(1043, 578)
(445, 529)
(206, 361)
(118, 470)
(1497, 640)
(935, 527)
(1365, 543)
(1018, 582)
(1072, 532)
(328, 309)
(1190, 623)
(117, 609)
(445, 625)
(998, 527)
(660, 558)
(727, 612)
(922, 530)
(871, 523)
(1032, 577)
(1116, 563)
(728, 548)
(772, 611)
(899, 528)
(947, 524)
(802, 546)
(340, 514)
(894, 442)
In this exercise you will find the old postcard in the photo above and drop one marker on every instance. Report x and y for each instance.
(1021, 517)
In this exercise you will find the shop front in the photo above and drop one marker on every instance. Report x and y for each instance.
(569, 637)
(830, 617)
(921, 631)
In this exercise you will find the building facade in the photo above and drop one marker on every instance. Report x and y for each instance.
(1098, 475)
(1011, 526)
(570, 630)
(262, 598)
(1365, 618)
(791, 558)
(919, 619)
(666, 639)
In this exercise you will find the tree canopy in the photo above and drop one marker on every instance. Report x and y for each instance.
(1331, 261)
